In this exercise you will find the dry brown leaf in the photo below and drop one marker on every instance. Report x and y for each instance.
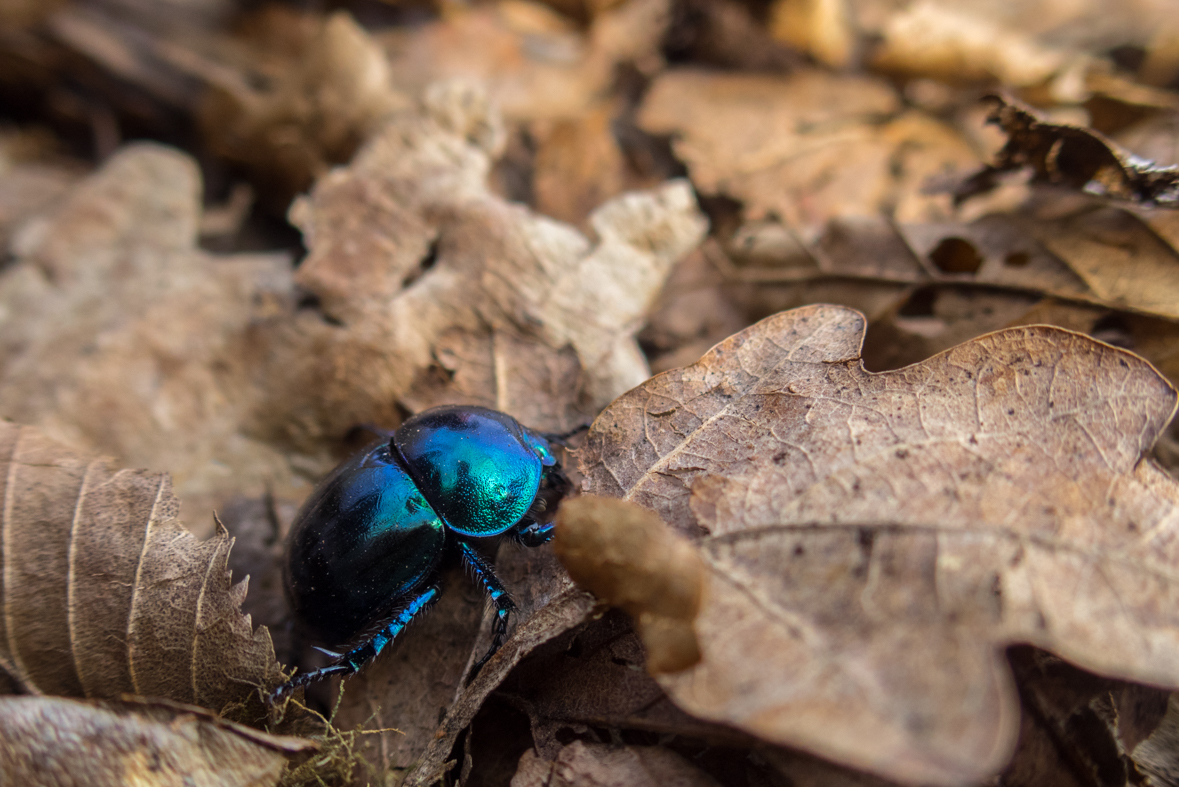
(318, 106)
(926, 287)
(821, 28)
(535, 66)
(937, 40)
(874, 540)
(806, 147)
(121, 337)
(600, 765)
(1070, 156)
(578, 166)
(1095, 723)
(420, 687)
(440, 291)
(560, 612)
(105, 593)
(1121, 260)
(57, 742)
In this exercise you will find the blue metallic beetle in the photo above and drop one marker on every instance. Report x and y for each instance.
(366, 549)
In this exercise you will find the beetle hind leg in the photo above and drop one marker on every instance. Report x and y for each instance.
(351, 662)
(504, 606)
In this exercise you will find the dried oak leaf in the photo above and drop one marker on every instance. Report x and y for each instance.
(436, 290)
(806, 147)
(1070, 156)
(57, 742)
(118, 335)
(105, 593)
(873, 541)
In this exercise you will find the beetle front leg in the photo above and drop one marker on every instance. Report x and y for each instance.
(504, 606)
(366, 651)
(535, 534)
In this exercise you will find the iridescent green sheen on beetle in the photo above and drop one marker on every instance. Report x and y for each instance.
(367, 547)
(468, 461)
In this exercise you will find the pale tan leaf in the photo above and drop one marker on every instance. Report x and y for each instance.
(806, 147)
(441, 291)
(120, 336)
(874, 540)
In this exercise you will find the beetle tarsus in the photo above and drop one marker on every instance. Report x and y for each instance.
(535, 534)
(504, 606)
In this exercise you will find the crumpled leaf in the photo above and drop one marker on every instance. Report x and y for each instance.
(535, 64)
(54, 741)
(119, 336)
(1070, 156)
(873, 541)
(600, 765)
(805, 147)
(318, 105)
(438, 291)
(105, 593)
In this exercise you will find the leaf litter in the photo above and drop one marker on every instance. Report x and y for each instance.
(824, 140)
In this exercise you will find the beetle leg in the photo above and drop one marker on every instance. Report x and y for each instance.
(535, 534)
(504, 606)
(362, 654)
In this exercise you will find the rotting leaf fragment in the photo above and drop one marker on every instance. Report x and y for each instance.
(51, 740)
(874, 541)
(1070, 156)
(627, 557)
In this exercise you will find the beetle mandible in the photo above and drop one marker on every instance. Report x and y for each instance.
(366, 549)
